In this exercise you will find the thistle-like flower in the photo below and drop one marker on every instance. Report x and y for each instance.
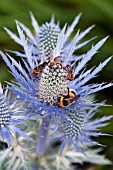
(17, 155)
(52, 86)
(10, 116)
(81, 128)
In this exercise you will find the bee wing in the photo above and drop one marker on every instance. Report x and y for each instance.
(58, 59)
(74, 67)
(72, 99)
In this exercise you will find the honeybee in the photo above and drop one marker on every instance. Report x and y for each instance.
(51, 63)
(65, 101)
(70, 72)
(58, 60)
(55, 61)
(38, 69)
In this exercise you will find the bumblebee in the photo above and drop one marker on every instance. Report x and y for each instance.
(65, 101)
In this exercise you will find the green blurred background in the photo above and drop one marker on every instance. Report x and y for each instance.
(98, 12)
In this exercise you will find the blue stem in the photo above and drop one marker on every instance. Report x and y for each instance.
(41, 144)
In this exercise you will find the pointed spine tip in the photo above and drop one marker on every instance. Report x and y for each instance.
(93, 26)
(31, 15)
(106, 38)
(30, 12)
(52, 19)
(79, 15)
(65, 26)
(17, 22)
(5, 28)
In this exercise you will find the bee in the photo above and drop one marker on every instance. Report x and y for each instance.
(70, 72)
(52, 63)
(65, 101)
(38, 69)
(58, 60)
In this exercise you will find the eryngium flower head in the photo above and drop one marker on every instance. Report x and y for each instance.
(10, 117)
(51, 84)
(48, 36)
(81, 128)
(17, 156)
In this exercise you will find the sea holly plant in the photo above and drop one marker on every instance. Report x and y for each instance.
(10, 116)
(52, 86)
